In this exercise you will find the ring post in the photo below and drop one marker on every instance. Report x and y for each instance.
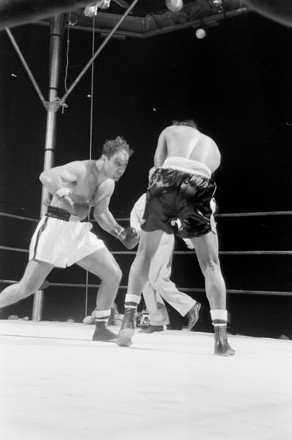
(56, 30)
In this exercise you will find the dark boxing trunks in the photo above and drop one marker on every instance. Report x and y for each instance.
(179, 200)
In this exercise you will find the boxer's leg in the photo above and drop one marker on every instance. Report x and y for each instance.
(102, 264)
(206, 248)
(138, 276)
(33, 277)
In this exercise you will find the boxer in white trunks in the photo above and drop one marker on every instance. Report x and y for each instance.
(62, 238)
(179, 202)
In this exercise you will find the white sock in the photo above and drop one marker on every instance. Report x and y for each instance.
(219, 314)
(102, 315)
(132, 301)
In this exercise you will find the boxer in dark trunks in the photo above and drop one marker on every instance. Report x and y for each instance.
(179, 198)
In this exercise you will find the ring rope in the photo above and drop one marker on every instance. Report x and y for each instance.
(4, 214)
(254, 214)
(239, 214)
(183, 289)
(229, 291)
(6, 248)
(240, 252)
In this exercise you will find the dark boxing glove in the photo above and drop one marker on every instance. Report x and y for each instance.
(73, 203)
(180, 227)
(128, 236)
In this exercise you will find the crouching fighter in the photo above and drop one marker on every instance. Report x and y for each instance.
(62, 238)
(179, 197)
(159, 286)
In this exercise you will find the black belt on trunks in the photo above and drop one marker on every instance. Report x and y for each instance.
(61, 214)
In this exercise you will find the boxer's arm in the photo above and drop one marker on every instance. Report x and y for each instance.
(60, 177)
(105, 219)
(128, 236)
(101, 211)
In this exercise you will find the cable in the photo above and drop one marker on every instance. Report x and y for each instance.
(67, 52)
(90, 138)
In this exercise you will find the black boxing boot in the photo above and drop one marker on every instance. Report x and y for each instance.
(102, 333)
(222, 347)
(127, 329)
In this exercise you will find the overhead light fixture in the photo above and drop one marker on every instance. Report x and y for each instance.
(91, 10)
(219, 5)
(174, 5)
(201, 33)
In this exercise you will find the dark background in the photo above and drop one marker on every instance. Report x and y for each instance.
(236, 84)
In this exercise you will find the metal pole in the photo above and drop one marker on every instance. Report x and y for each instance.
(25, 65)
(56, 30)
(103, 44)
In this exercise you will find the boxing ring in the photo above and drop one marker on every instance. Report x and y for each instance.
(55, 382)
(37, 312)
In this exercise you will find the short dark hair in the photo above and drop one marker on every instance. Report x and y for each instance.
(112, 146)
(188, 122)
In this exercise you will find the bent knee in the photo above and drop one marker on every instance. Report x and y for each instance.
(116, 275)
(24, 290)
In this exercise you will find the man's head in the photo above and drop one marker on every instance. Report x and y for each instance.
(116, 154)
(187, 122)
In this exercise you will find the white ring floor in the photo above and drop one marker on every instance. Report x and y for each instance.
(55, 384)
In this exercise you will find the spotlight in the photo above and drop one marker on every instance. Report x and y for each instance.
(174, 5)
(91, 10)
(201, 33)
(104, 4)
(219, 5)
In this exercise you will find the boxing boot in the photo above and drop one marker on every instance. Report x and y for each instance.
(127, 329)
(222, 347)
(102, 333)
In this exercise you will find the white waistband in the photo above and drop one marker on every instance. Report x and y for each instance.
(186, 165)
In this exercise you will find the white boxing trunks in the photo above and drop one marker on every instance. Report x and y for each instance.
(63, 243)
(187, 166)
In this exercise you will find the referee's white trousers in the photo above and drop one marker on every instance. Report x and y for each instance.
(160, 287)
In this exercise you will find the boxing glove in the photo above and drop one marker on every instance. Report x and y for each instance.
(73, 202)
(128, 236)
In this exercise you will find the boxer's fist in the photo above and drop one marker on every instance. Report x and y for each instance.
(76, 205)
(73, 203)
(128, 236)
